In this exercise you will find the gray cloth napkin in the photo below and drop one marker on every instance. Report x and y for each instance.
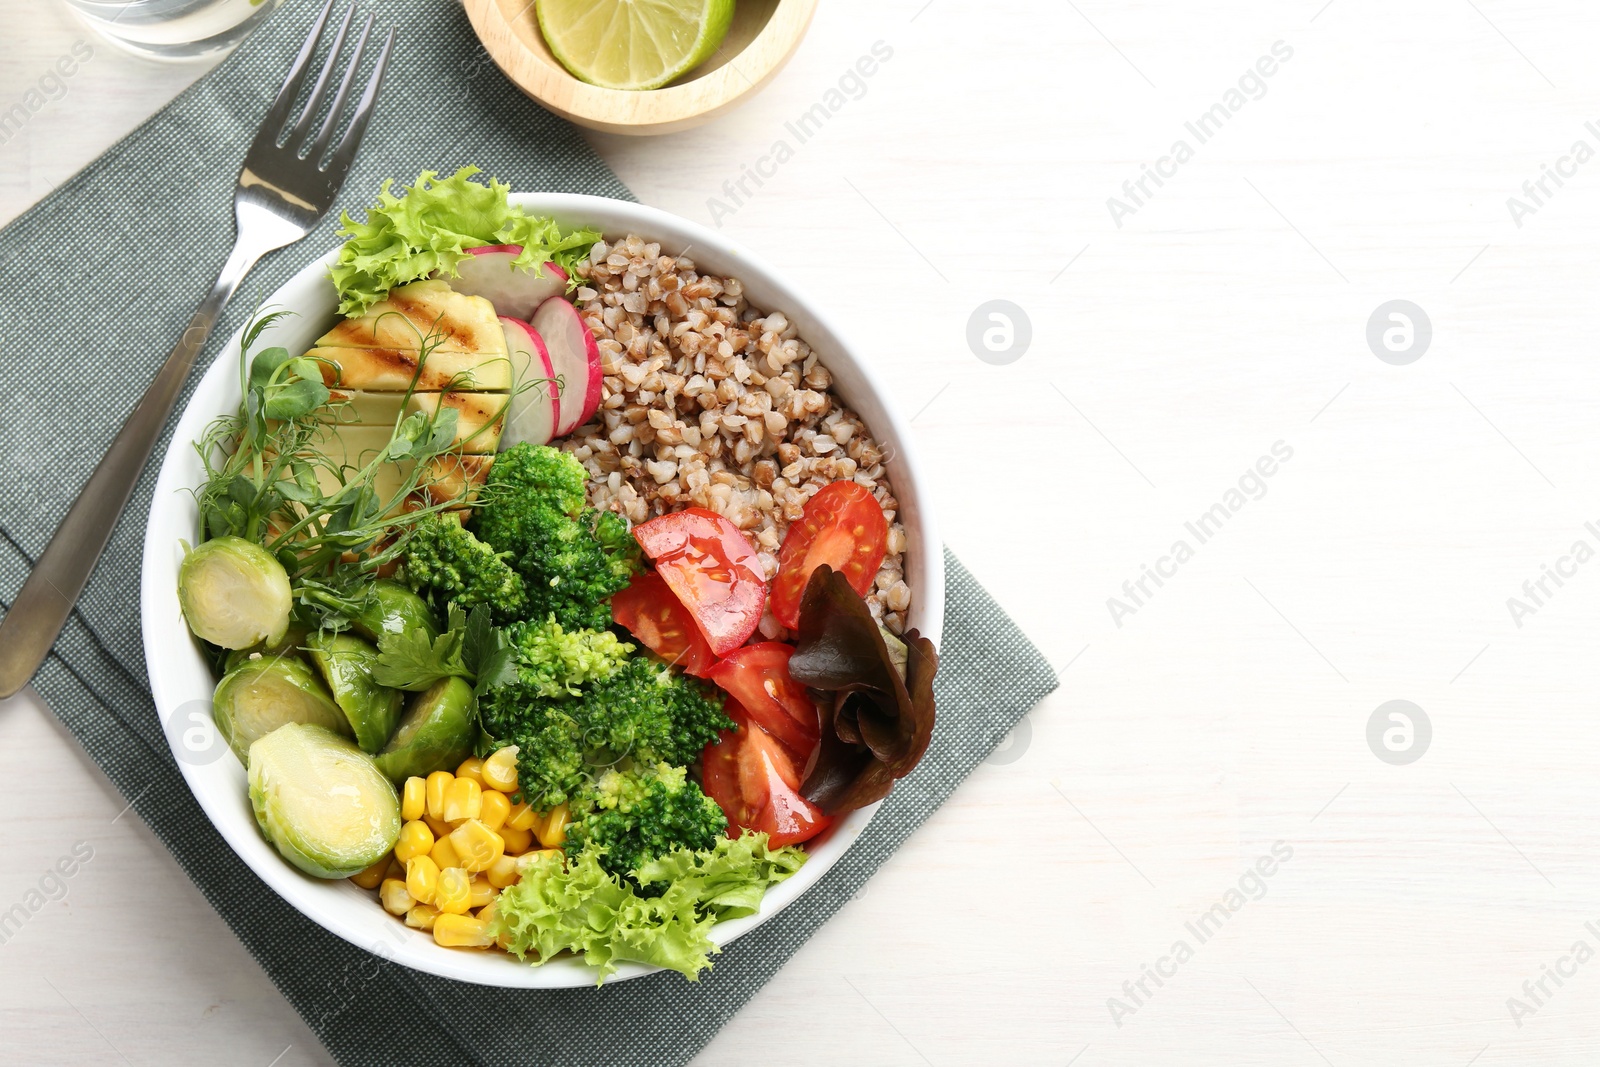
(99, 276)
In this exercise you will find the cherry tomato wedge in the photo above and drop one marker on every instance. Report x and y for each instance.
(844, 527)
(757, 785)
(757, 676)
(713, 570)
(650, 611)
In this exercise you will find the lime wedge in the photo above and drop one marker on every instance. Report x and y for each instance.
(633, 44)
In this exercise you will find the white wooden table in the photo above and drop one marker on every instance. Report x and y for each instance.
(1205, 722)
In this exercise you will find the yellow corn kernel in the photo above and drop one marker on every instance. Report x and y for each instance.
(421, 917)
(496, 806)
(373, 876)
(480, 892)
(438, 783)
(471, 767)
(463, 800)
(486, 913)
(439, 827)
(396, 869)
(517, 841)
(454, 895)
(396, 898)
(554, 831)
(499, 771)
(503, 872)
(414, 798)
(444, 854)
(415, 840)
(523, 817)
(461, 931)
(422, 879)
(476, 845)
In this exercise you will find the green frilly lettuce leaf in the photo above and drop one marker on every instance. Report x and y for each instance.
(584, 909)
(430, 227)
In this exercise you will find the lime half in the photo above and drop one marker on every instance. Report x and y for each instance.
(633, 44)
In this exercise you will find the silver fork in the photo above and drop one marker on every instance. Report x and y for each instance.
(288, 182)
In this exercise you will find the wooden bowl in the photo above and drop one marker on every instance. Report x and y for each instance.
(763, 36)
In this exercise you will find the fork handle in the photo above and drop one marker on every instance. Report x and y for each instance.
(40, 610)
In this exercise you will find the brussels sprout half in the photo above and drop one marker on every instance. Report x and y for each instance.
(234, 593)
(436, 733)
(321, 801)
(391, 608)
(287, 645)
(262, 694)
(346, 663)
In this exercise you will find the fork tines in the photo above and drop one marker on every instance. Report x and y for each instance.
(296, 140)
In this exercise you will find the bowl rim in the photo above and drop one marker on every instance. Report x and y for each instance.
(671, 108)
(181, 695)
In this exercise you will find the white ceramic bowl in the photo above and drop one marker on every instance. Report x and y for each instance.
(182, 683)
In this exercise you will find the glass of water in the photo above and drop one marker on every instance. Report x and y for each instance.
(173, 29)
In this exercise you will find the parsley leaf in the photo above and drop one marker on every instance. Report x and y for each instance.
(470, 643)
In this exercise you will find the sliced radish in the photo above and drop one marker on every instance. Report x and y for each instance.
(534, 409)
(575, 357)
(487, 272)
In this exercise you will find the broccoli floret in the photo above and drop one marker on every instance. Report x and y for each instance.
(445, 562)
(637, 814)
(571, 557)
(578, 705)
(524, 482)
(551, 766)
(554, 662)
(616, 541)
(646, 711)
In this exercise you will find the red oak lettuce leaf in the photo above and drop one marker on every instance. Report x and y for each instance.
(878, 725)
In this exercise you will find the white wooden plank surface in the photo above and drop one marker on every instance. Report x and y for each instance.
(1229, 712)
